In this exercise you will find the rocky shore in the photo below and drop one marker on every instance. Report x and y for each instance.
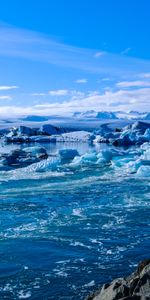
(134, 287)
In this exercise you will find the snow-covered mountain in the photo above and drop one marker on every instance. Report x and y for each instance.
(131, 115)
(90, 114)
(105, 115)
(86, 114)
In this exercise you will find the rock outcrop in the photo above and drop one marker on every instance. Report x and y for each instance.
(134, 287)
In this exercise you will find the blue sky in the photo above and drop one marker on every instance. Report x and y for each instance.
(62, 56)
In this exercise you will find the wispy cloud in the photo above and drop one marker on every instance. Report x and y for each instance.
(106, 79)
(144, 75)
(58, 93)
(8, 87)
(126, 51)
(30, 45)
(133, 84)
(82, 80)
(20, 43)
(4, 97)
(72, 94)
(124, 100)
(38, 94)
(99, 54)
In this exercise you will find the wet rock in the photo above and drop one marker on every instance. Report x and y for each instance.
(134, 287)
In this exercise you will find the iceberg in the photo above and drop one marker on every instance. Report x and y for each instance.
(143, 171)
(68, 154)
(48, 129)
(76, 137)
(22, 157)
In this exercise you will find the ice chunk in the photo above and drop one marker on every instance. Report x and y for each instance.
(144, 171)
(87, 158)
(68, 153)
(24, 130)
(48, 164)
(147, 134)
(38, 152)
(49, 129)
(100, 139)
(23, 157)
(105, 156)
(76, 136)
(142, 126)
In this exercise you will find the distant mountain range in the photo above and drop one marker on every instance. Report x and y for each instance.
(90, 115)
(105, 115)
(35, 118)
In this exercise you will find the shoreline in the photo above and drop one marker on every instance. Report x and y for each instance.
(136, 286)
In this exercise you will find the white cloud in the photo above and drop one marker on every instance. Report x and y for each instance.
(98, 54)
(145, 75)
(128, 84)
(125, 100)
(126, 50)
(72, 94)
(106, 79)
(58, 93)
(82, 80)
(38, 94)
(8, 87)
(5, 97)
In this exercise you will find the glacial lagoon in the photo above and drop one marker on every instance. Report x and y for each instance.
(68, 225)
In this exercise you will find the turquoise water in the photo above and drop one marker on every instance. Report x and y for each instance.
(68, 229)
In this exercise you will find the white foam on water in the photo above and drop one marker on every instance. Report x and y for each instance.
(77, 212)
(76, 244)
(90, 284)
(24, 294)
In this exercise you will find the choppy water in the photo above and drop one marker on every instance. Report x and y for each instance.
(64, 231)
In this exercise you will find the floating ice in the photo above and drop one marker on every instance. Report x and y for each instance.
(68, 153)
(48, 164)
(105, 156)
(76, 136)
(143, 171)
(49, 129)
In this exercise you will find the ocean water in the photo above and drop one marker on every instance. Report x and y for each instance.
(65, 230)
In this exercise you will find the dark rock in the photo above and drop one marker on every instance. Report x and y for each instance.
(118, 130)
(134, 287)
(142, 265)
(135, 297)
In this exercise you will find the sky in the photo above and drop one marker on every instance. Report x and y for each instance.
(58, 57)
